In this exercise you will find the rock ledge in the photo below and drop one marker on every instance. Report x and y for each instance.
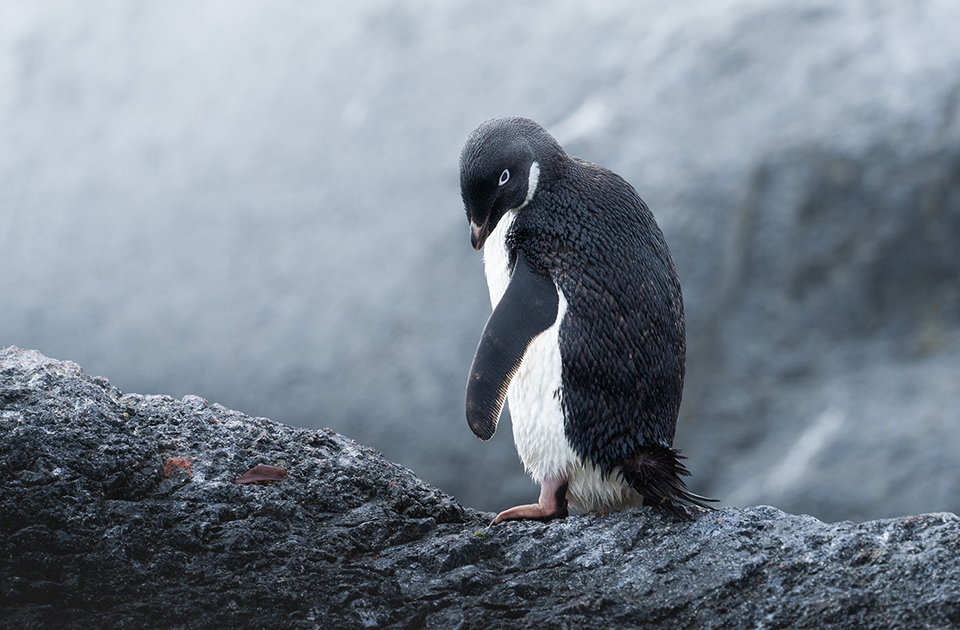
(119, 510)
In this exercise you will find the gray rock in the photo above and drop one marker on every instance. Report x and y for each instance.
(119, 510)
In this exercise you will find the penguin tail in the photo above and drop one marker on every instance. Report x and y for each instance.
(656, 473)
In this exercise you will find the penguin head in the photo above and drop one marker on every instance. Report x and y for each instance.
(500, 166)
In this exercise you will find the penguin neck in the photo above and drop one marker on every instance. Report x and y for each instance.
(496, 258)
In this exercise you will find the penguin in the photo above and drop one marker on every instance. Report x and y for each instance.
(586, 339)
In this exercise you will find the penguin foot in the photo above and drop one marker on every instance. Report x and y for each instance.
(552, 504)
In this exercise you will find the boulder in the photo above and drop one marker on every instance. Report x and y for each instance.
(121, 510)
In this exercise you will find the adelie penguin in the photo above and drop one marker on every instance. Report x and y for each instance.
(586, 339)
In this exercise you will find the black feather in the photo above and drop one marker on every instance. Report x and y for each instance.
(656, 473)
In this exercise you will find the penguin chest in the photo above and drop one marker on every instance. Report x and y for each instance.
(535, 407)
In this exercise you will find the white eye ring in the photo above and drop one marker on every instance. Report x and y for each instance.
(504, 177)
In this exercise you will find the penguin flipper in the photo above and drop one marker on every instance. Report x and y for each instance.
(528, 307)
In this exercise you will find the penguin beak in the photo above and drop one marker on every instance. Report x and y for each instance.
(479, 234)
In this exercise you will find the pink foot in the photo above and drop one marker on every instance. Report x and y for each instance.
(553, 504)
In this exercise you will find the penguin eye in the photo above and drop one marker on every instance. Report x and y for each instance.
(504, 177)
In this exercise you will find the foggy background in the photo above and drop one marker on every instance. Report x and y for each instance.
(258, 203)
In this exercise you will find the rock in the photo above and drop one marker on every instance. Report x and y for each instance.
(120, 510)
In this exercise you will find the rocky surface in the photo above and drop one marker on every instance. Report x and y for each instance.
(119, 510)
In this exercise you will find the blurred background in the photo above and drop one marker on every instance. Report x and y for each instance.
(258, 203)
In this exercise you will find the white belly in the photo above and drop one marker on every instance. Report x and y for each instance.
(534, 399)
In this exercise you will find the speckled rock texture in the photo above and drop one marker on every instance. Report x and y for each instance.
(119, 510)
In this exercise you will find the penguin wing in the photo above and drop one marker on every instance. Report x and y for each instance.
(527, 308)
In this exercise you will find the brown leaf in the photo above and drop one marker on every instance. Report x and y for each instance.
(262, 474)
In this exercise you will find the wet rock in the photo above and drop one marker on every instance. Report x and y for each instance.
(120, 510)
